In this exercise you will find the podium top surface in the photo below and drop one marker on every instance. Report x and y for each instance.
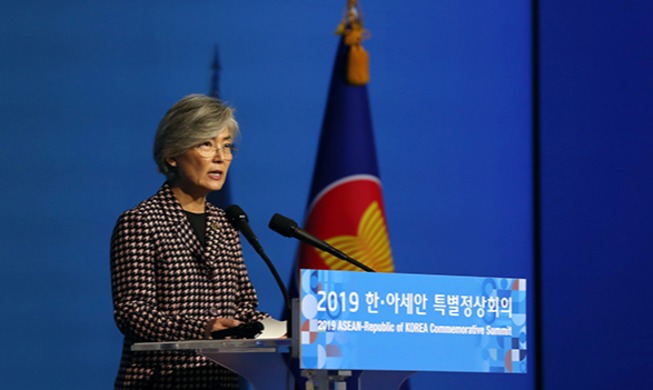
(224, 346)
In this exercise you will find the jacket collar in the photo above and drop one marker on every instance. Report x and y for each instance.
(217, 225)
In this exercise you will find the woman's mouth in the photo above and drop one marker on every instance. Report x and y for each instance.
(216, 175)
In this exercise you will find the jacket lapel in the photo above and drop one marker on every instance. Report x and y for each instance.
(216, 228)
(174, 214)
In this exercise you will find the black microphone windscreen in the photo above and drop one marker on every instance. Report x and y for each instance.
(235, 215)
(282, 225)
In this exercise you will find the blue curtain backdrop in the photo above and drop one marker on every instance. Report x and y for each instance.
(596, 89)
(83, 86)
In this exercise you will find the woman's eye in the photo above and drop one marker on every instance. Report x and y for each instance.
(207, 144)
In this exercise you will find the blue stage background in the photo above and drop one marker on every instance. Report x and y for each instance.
(83, 86)
(596, 94)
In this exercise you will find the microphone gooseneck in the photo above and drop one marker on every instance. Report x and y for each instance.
(287, 227)
(239, 220)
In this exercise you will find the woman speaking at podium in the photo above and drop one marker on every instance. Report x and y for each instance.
(177, 270)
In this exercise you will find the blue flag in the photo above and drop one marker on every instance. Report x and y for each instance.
(345, 205)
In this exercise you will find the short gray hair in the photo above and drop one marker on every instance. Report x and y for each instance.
(191, 121)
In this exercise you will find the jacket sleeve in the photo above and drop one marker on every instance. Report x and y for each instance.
(248, 302)
(133, 284)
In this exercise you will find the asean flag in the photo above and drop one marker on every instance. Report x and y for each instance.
(345, 205)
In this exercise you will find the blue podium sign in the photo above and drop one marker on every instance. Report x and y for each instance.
(410, 322)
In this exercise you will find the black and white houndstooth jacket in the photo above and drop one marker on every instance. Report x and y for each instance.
(166, 286)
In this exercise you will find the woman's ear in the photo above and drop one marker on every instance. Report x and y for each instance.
(171, 161)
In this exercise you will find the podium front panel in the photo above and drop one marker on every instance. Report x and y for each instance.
(411, 322)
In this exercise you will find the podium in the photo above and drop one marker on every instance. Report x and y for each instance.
(261, 362)
(265, 364)
(371, 331)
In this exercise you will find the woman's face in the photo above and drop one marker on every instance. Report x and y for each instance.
(203, 168)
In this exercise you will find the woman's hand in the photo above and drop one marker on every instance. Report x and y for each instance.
(219, 323)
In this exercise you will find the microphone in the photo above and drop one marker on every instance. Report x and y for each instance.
(239, 220)
(287, 227)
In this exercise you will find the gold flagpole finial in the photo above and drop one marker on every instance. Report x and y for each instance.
(351, 28)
